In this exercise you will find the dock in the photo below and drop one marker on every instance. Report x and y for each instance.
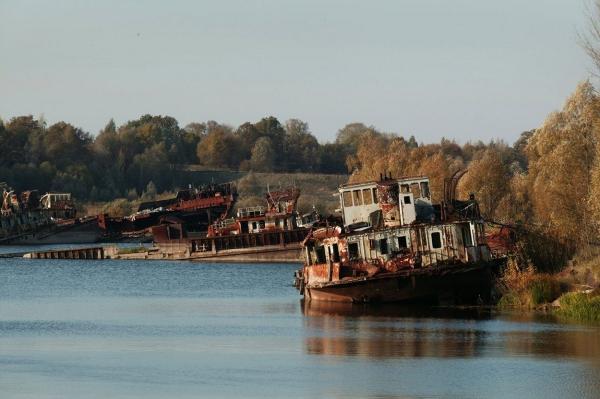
(91, 253)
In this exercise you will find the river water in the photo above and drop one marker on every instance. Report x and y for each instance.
(132, 329)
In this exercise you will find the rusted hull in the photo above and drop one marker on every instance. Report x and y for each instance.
(290, 254)
(455, 283)
(79, 233)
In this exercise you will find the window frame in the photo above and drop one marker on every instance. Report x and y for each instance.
(434, 241)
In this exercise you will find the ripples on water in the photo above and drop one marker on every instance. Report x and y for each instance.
(98, 329)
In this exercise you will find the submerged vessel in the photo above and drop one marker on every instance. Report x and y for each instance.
(27, 218)
(270, 233)
(396, 245)
(195, 209)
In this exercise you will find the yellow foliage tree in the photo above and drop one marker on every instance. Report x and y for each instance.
(378, 154)
(488, 178)
(561, 157)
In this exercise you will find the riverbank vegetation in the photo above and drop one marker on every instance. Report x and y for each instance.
(580, 306)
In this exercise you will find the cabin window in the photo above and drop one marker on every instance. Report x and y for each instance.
(402, 242)
(375, 198)
(436, 240)
(353, 250)
(347, 196)
(367, 196)
(404, 188)
(407, 199)
(261, 224)
(415, 190)
(466, 236)
(357, 197)
(336, 253)
(383, 246)
(320, 252)
(254, 226)
(425, 189)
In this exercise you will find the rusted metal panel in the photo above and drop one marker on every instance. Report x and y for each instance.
(388, 195)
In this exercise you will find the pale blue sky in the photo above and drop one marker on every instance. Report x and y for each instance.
(463, 69)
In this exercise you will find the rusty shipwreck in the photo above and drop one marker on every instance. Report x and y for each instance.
(265, 233)
(396, 245)
(28, 218)
(194, 208)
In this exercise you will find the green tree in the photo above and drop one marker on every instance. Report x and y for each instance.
(263, 155)
(65, 145)
(300, 147)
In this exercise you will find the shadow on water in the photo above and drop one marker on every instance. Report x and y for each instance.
(396, 331)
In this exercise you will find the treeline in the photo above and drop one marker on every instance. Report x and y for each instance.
(148, 153)
(548, 182)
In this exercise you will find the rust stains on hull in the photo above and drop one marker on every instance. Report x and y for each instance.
(436, 283)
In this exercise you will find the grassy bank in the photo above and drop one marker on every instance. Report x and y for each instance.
(527, 289)
(580, 306)
(567, 294)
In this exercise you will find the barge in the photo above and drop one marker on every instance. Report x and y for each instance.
(396, 245)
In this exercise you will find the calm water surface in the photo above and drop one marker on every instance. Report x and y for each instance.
(107, 329)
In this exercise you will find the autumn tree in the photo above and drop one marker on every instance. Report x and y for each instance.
(561, 157)
(218, 149)
(488, 177)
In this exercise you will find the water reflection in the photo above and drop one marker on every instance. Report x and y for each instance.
(392, 331)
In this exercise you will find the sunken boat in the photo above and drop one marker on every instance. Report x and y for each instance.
(265, 233)
(26, 218)
(396, 245)
(195, 208)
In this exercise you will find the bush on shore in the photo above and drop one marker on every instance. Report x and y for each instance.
(527, 288)
(580, 306)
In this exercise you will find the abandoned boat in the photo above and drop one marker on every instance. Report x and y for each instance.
(271, 233)
(28, 219)
(194, 208)
(395, 245)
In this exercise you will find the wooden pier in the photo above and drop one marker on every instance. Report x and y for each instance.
(78, 253)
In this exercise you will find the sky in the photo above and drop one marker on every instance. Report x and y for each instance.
(461, 69)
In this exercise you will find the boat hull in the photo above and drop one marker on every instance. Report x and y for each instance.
(79, 233)
(456, 284)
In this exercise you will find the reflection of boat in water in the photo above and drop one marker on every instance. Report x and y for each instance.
(396, 245)
(392, 311)
(386, 330)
